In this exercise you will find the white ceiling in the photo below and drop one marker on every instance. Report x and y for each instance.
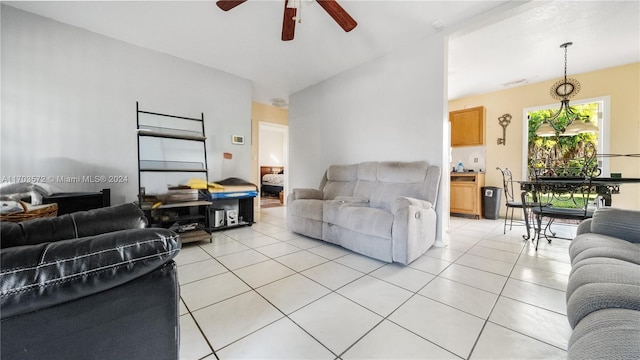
(526, 45)
(504, 42)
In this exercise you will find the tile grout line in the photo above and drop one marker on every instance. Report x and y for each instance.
(331, 291)
(413, 293)
(206, 339)
(501, 295)
(252, 289)
(495, 303)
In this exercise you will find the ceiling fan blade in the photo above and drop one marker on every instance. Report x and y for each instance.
(227, 5)
(288, 22)
(338, 14)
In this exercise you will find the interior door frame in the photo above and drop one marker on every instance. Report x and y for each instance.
(284, 129)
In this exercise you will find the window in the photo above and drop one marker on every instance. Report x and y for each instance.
(567, 146)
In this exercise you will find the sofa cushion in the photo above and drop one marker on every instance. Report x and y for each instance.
(405, 173)
(595, 261)
(341, 181)
(331, 208)
(594, 287)
(624, 225)
(385, 194)
(74, 225)
(367, 178)
(51, 273)
(368, 171)
(366, 220)
(397, 179)
(594, 245)
(331, 211)
(373, 246)
(307, 208)
(342, 172)
(607, 334)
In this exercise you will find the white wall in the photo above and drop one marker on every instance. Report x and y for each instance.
(69, 104)
(392, 108)
(271, 146)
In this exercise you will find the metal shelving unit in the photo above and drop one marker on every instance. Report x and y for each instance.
(172, 143)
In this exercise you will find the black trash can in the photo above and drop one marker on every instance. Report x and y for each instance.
(491, 202)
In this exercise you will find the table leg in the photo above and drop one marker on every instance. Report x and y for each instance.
(537, 234)
(523, 197)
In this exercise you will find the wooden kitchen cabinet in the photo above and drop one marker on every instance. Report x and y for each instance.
(466, 192)
(467, 127)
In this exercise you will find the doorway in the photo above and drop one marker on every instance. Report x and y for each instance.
(273, 157)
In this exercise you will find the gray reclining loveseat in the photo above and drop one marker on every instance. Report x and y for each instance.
(603, 293)
(384, 210)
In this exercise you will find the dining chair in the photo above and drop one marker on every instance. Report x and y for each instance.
(510, 200)
(555, 187)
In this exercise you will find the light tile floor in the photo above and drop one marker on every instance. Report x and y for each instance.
(264, 292)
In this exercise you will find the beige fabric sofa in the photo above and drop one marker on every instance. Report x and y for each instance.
(384, 210)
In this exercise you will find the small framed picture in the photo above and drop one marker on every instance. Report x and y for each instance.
(237, 139)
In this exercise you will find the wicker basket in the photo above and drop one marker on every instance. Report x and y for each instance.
(31, 212)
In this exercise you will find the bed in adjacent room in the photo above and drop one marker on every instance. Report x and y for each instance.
(271, 180)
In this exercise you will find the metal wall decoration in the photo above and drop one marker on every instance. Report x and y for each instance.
(504, 121)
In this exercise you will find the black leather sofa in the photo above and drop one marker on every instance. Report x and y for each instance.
(96, 284)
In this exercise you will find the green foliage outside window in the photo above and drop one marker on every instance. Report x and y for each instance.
(566, 153)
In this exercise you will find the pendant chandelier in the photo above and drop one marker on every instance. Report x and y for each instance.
(565, 121)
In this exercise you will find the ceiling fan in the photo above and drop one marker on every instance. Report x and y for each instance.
(332, 8)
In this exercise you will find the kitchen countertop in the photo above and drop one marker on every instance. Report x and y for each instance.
(467, 172)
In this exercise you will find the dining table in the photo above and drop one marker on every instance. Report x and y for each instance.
(603, 187)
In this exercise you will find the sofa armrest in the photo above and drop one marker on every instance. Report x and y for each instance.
(414, 228)
(619, 223)
(39, 276)
(584, 227)
(306, 194)
(404, 202)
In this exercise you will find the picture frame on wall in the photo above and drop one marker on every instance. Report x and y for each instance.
(237, 139)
